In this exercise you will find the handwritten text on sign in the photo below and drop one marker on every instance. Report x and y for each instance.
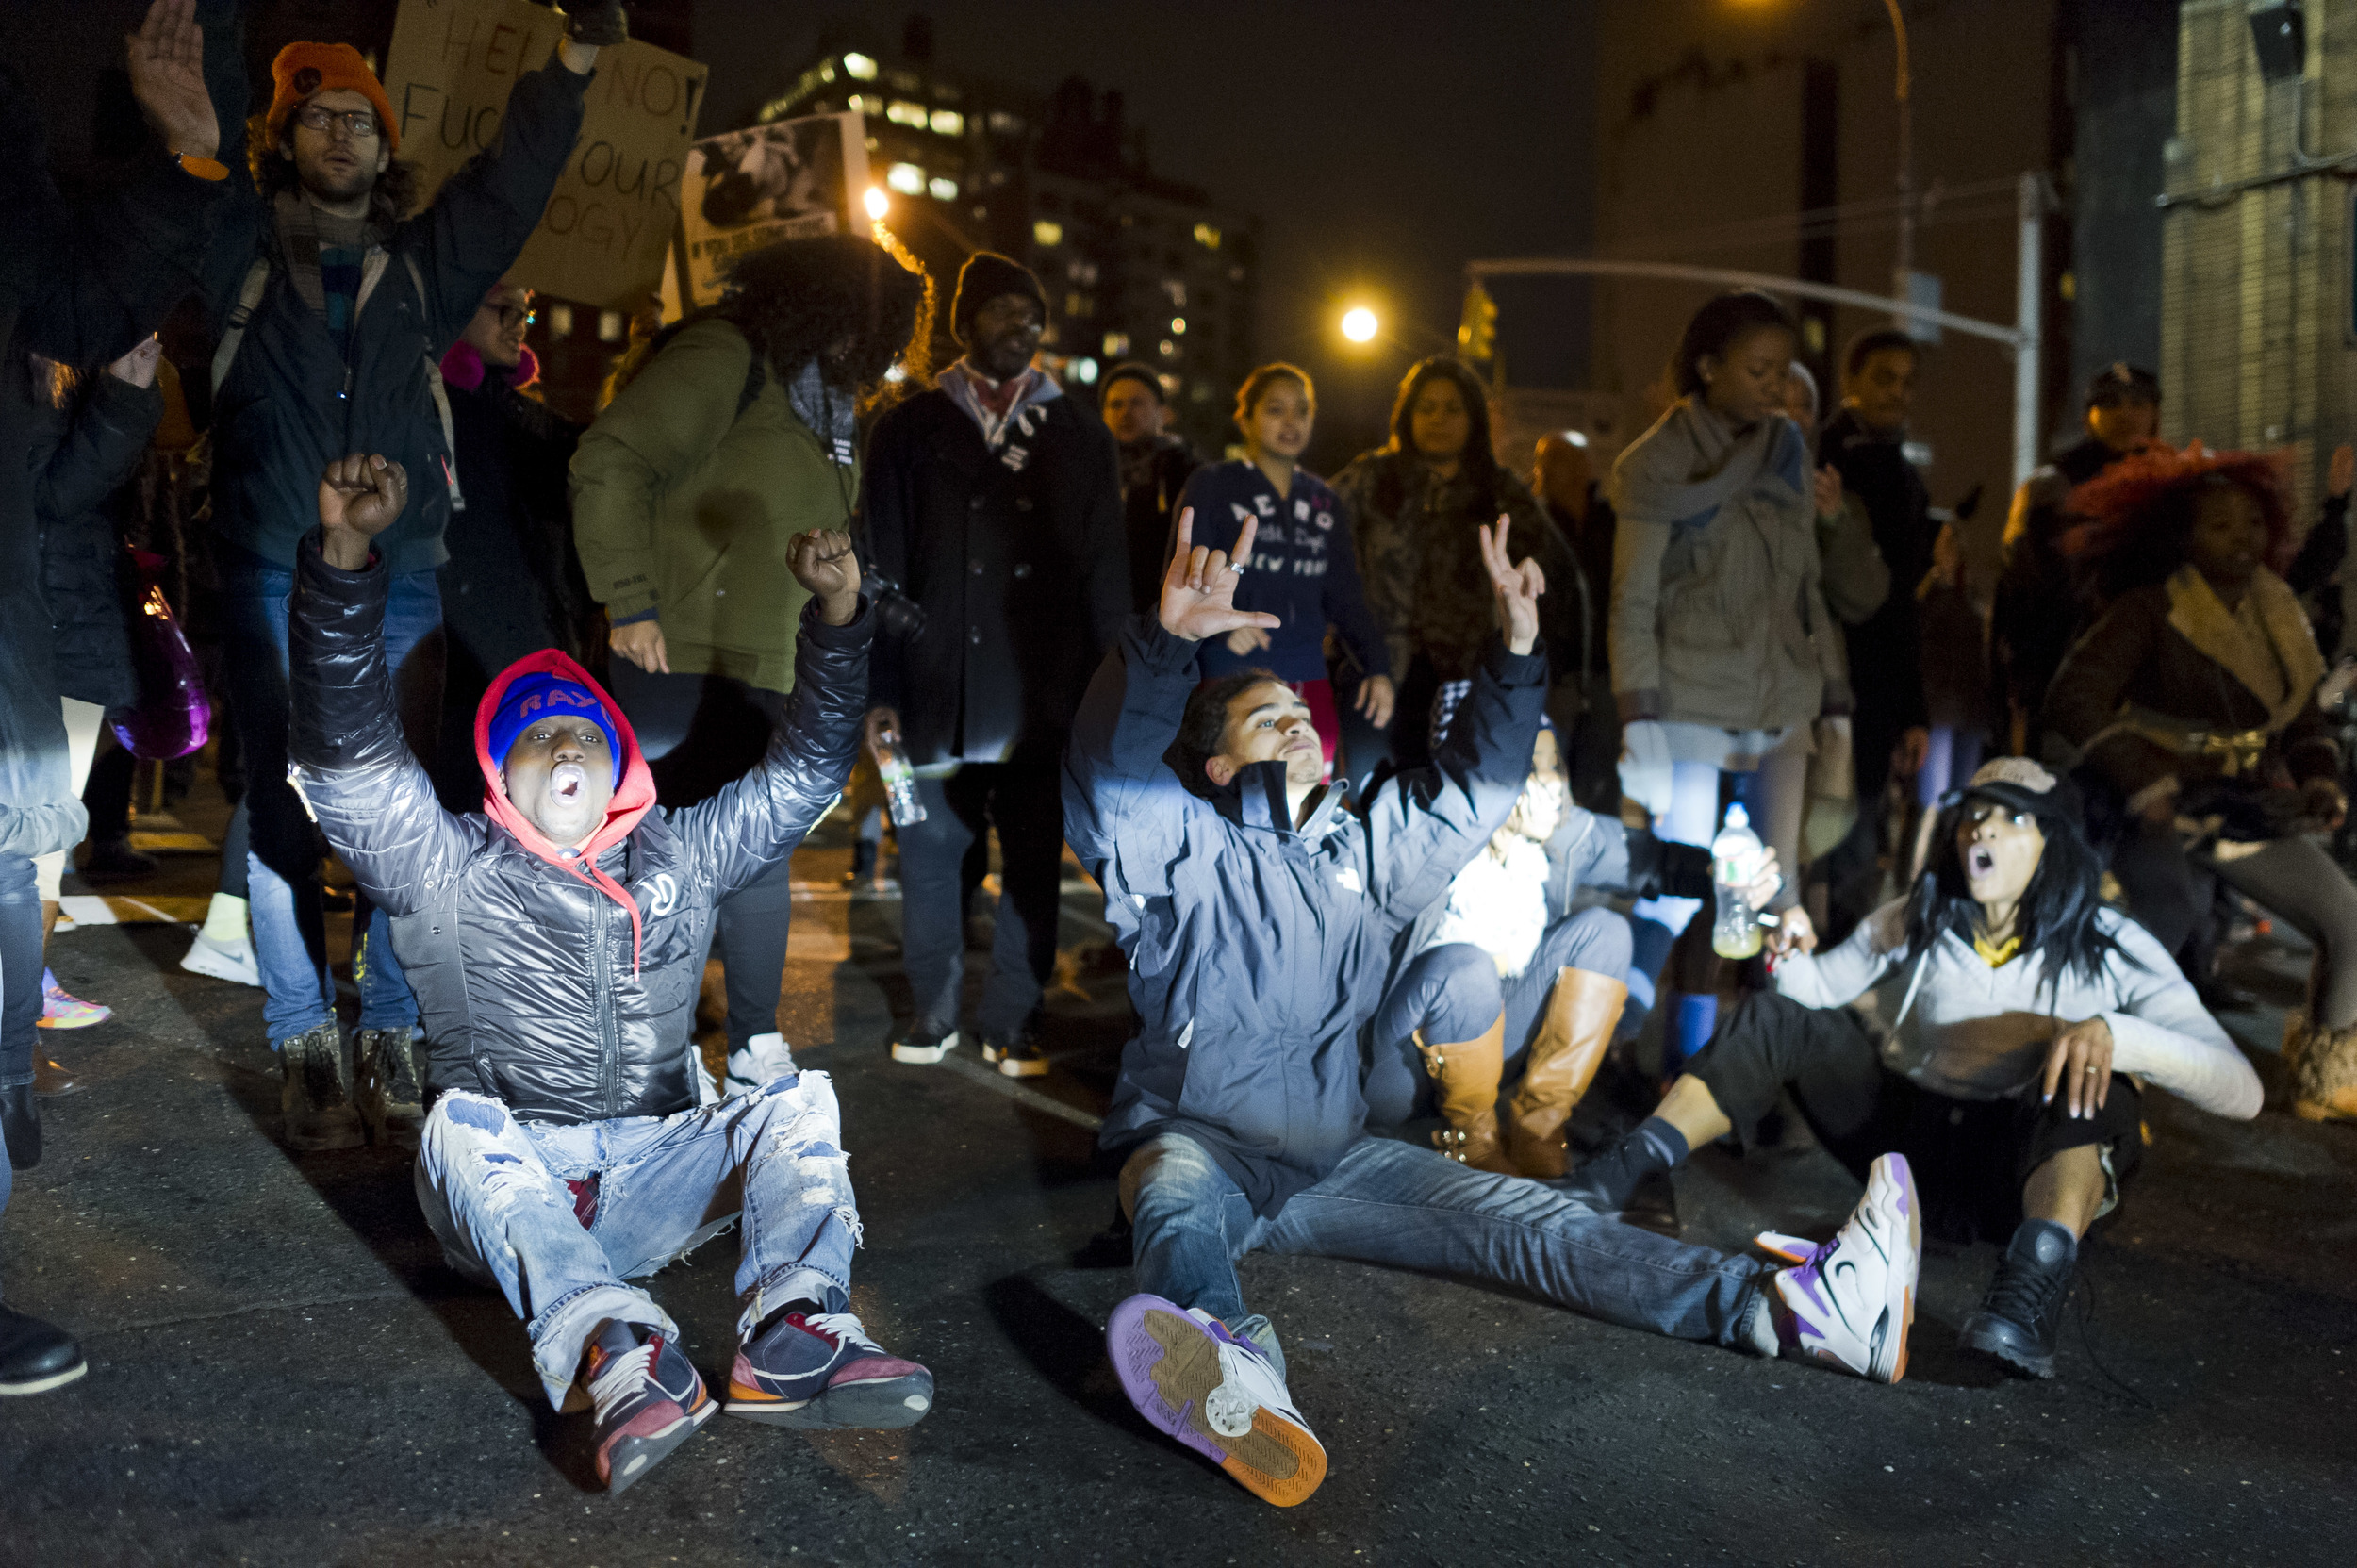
(603, 237)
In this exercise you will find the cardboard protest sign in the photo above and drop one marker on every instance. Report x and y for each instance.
(601, 240)
(781, 181)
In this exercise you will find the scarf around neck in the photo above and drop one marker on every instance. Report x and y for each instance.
(832, 413)
(304, 231)
(999, 408)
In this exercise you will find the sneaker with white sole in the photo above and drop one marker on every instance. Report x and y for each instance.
(1853, 1299)
(821, 1371)
(1212, 1389)
(649, 1401)
(925, 1044)
(228, 961)
(759, 1062)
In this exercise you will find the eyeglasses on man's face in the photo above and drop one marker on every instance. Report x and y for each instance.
(358, 123)
(509, 315)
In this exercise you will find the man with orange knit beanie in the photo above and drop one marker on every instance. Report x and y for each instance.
(334, 303)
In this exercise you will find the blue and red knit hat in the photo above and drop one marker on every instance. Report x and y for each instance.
(538, 696)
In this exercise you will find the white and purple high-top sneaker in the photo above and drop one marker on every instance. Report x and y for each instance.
(1213, 1391)
(1853, 1299)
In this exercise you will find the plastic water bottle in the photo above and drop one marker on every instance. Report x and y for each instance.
(900, 779)
(1735, 861)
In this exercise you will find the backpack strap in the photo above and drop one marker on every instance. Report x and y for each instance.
(249, 297)
(439, 393)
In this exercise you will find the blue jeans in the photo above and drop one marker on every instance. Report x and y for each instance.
(283, 859)
(1391, 1202)
(494, 1190)
(20, 983)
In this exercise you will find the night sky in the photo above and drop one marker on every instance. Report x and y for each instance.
(1382, 143)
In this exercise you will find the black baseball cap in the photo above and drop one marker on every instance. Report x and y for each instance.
(2019, 784)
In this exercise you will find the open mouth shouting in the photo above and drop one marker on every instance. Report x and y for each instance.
(1980, 862)
(566, 781)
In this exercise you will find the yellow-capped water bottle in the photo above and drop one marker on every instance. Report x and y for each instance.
(1735, 855)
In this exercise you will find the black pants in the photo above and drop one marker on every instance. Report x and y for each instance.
(1022, 799)
(1970, 1157)
(700, 733)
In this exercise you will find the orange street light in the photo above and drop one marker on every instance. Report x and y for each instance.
(1359, 326)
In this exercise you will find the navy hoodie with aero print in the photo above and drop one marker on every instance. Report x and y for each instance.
(1303, 569)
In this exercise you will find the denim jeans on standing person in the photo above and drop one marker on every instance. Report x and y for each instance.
(20, 982)
(283, 862)
(1391, 1202)
(497, 1193)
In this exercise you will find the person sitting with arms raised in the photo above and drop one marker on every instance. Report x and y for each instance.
(1258, 916)
(555, 941)
(2020, 1006)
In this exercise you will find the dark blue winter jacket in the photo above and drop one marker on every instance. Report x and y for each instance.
(1257, 951)
(1304, 570)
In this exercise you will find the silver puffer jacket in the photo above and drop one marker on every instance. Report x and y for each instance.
(564, 986)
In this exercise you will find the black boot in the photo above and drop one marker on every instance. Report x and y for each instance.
(2020, 1317)
(863, 864)
(36, 1356)
(20, 1126)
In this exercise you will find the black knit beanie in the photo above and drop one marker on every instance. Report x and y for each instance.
(1130, 370)
(985, 276)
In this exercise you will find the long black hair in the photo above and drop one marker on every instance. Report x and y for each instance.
(2058, 910)
(841, 299)
(1480, 461)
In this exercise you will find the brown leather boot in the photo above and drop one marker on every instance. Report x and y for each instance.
(1466, 1074)
(2324, 1069)
(1582, 1010)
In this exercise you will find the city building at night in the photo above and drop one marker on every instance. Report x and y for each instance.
(1135, 265)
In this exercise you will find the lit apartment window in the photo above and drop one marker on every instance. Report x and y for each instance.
(1169, 349)
(942, 188)
(1206, 237)
(1086, 371)
(948, 121)
(1177, 289)
(1116, 343)
(860, 67)
(1076, 304)
(611, 325)
(560, 320)
(861, 103)
(907, 179)
(826, 72)
(903, 112)
(1170, 384)
(1047, 232)
(1178, 327)
(1003, 123)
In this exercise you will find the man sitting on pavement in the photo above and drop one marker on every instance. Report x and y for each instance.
(555, 941)
(1259, 915)
(2025, 1017)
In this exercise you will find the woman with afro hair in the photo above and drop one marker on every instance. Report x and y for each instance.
(732, 432)
(2193, 696)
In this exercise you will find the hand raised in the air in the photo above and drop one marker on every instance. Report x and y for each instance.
(823, 562)
(1518, 588)
(359, 498)
(1199, 589)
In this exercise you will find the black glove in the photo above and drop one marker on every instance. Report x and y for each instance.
(597, 23)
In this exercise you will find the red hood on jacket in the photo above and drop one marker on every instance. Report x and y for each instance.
(634, 797)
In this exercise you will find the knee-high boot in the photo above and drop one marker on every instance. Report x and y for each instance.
(1582, 1010)
(2324, 1069)
(1466, 1075)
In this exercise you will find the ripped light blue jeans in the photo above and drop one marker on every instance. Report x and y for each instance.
(493, 1189)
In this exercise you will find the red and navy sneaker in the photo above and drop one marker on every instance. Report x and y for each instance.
(649, 1400)
(821, 1371)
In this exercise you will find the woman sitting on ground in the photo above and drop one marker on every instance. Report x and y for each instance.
(2025, 1018)
(2194, 697)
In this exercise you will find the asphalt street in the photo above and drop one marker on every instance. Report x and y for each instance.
(284, 1370)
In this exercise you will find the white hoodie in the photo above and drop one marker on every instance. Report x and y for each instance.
(1962, 1029)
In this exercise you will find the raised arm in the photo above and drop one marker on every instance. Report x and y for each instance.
(369, 796)
(757, 820)
(84, 454)
(1119, 794)
(1426, 823)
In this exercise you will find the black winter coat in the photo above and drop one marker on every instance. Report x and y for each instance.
(294, 400)
(79, 287)
(1886, 647)
(83, 454)
(527, 981)
(1146, 515)
(1018, 559)
(1259, 951)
